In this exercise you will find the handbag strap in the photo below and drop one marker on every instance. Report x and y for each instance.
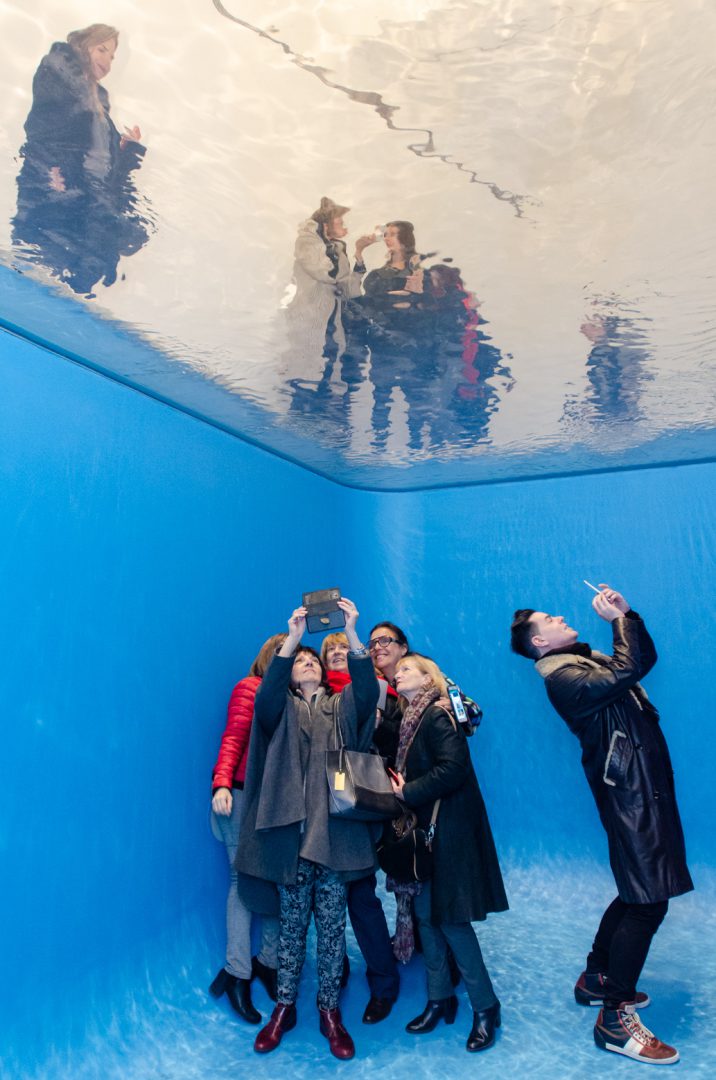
(430, 831)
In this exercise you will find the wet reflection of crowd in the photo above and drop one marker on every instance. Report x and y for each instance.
(409, 325)
(77, 206)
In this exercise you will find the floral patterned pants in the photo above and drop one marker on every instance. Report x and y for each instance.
(322, 892)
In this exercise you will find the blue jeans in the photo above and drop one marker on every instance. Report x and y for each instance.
(462, 939)
(238, 916)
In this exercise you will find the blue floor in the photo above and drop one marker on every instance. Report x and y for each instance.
(170, 1029)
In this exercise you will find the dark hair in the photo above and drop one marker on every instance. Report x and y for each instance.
(521, 633)
(324, 677)
(266, 653)
(397, 633)
(406, 237)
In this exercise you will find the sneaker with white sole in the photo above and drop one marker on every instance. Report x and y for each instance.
(591, 988)
(621, 1031)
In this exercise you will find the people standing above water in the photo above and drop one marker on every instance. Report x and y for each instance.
(293, 856)
(77, 209)
(324, 279)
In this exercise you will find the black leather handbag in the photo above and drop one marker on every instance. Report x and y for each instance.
(359, 788)
(405, 851)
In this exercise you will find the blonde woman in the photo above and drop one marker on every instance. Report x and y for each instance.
(433, 762)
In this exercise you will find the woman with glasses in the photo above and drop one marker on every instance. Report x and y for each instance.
(289, 843)
(433, 763)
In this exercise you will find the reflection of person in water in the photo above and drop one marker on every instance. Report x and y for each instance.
(615, 366)
(324, 281)
(396, 288)
(469, 359)
(76, 205)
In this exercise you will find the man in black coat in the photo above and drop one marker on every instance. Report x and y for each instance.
(627, 764)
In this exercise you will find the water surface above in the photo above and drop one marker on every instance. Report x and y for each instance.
(437, 243)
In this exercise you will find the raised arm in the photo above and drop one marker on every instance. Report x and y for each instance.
(271, 698)
(578, 690)
(359, 700)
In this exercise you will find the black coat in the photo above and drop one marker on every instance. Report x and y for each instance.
(466, 883)
(626, 760)
(81, 232)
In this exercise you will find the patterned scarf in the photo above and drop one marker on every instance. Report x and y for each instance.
(404, 939)
(411, 721)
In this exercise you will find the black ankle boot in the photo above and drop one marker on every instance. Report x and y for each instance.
(434, 1011)
(266, 975)
(238, 991)
(484, 1023)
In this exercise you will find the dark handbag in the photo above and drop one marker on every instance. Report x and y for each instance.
(359, 788)
(405, 851)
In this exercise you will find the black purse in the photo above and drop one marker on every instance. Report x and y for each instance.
(359, 788)
(405, 851)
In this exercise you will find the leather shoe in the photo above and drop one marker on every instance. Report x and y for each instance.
(238, 991)
(376, 1010)
(483, 1028)
(283, 1018)
(266, 975)
(433, 1012)
(339, 1040)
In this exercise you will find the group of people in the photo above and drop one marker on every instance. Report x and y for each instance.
(291, 859)
(409, 323)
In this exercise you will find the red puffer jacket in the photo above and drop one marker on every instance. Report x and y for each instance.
(230, 765)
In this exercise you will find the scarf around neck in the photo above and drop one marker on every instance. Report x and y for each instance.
(411, 721)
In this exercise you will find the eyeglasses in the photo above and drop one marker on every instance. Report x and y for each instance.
(381, 643)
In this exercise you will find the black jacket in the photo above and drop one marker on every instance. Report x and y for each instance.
(466, 883)
(626, 760)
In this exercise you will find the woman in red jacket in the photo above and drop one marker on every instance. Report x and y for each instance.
(235, 977)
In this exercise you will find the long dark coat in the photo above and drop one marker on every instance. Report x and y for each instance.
(466, 883)
(80, 232)
(626, 760)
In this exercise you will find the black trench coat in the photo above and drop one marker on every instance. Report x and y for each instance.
(466, 883)
(626, 760)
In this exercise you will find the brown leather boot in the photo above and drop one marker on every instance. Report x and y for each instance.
(339, 1040)
(283, 1018)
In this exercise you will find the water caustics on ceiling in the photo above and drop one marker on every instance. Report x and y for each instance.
(426, 243)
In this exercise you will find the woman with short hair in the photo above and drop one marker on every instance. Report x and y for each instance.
(289, 842)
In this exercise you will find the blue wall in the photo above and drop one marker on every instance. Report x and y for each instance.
(147, 554)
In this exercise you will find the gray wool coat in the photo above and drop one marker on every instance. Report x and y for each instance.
(285, 804)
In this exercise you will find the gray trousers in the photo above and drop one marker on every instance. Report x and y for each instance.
(462, 939)
(322, 892)
(238, 916)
